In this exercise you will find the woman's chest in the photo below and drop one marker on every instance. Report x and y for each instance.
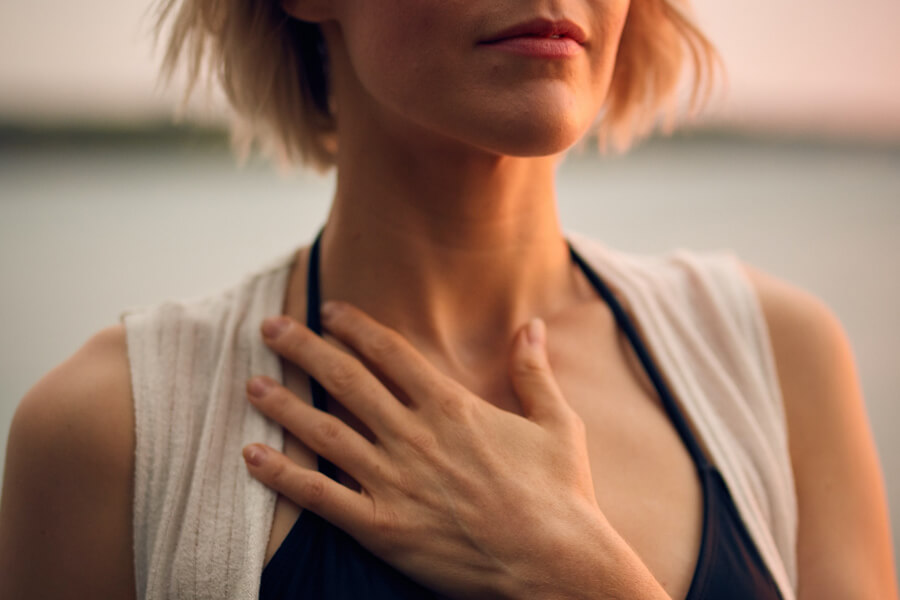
(644, 478)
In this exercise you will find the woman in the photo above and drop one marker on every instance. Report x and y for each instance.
(499, 410)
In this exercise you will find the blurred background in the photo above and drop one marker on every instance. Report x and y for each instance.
(106, 204)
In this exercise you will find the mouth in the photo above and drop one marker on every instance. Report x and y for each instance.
(541, 28)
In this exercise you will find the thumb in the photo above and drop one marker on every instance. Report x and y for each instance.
(532, 379)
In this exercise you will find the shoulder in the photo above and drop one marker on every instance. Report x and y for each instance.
(84, 394)
(844, 548)
(79, 414)
(814, 361)
(810, 346)
(804, 330)
(65, 520)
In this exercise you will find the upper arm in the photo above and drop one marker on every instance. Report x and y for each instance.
(65, 517)
(844, 544)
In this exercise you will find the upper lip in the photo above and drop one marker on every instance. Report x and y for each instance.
(541, 28)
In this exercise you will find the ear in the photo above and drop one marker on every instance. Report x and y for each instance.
(312, 11)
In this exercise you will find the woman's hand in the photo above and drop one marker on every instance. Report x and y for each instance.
(466, 498)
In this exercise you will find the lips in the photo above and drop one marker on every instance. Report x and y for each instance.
(544, 28)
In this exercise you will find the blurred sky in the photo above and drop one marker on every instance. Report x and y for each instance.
(803, 66)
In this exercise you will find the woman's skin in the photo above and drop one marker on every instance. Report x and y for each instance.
(444, 229)
(451, 476)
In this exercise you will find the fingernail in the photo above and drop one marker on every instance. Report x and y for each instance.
(535, 332)
(274, 326)
(257, 387)
(255, 455)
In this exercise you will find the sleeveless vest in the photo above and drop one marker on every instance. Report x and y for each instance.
(201, 523)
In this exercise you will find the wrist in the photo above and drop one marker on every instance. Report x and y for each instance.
(587, 561)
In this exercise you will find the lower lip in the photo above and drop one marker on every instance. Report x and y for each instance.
(539, 47)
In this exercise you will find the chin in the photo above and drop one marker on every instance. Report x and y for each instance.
(533, 137)
(520, 127)
(536, 127)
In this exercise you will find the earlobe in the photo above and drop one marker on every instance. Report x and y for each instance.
(312, 11)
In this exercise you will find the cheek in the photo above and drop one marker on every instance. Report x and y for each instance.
(399, 47)
(608, 23)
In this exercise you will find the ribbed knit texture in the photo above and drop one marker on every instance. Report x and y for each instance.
(201, 523)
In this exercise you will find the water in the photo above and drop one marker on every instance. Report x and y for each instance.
(91, 226)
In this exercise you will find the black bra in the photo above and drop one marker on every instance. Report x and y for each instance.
(319, 561)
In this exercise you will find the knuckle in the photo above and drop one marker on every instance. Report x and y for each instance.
(404, 482)
(313, 492)
(341, 377)
(529, 366)
(379, 472)
(326, 432)
(422, 441)
(452, 406)
(382, 344)
(386, 524)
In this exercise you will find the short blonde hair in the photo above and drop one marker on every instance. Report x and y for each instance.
(274, 72)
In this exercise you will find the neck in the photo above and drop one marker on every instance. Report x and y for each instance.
(456, 257)
(453, 246)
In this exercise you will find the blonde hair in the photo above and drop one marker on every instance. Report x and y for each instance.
(274, 72)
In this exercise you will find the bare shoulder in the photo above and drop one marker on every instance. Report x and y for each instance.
(65, 517)
(844, 546)
(798, 320)
(84, 404)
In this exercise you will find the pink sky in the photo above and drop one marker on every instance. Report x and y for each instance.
(827, 66)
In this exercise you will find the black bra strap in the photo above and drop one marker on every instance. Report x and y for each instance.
(668, 400)
(314, 322)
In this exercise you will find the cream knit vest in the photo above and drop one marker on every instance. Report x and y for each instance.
(201, 523)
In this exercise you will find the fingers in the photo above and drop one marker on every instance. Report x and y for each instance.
(532, 379)
(345, 378)
(389, 352)
(309, 489)
(325, 434)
